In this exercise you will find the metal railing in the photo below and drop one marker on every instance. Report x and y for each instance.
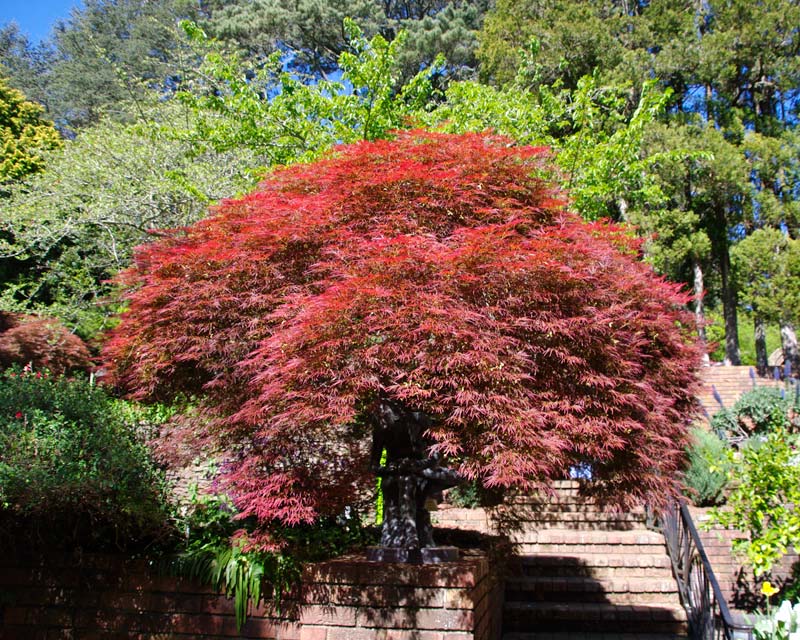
(707, 611)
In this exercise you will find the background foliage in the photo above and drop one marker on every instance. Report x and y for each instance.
(680, 120)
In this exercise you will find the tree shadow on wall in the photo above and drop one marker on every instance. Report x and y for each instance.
(417, 599)
(747, 594)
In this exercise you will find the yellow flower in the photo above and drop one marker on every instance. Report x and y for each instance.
(768, 590)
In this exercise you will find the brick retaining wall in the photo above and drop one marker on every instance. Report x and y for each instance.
(349, 598)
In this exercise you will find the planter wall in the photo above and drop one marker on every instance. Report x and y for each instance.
(113, 597)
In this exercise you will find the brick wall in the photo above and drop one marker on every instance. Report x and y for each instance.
(741, 588)
(349, 598)
(451, 517)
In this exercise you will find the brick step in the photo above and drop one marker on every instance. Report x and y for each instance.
(582, 524)
(579, 525)
(558, 492)
(570, 488)
(591, 565)
(583, 616)
(589, 635)
(532, 507)
(613, 589)
(568, 513)
(640, 538)
(536, 548)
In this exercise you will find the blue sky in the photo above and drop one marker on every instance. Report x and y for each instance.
(35, 17)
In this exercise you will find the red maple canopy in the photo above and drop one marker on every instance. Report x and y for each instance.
(439, 272)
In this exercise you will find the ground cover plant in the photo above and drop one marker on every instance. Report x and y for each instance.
(706, 474)
(439, 273)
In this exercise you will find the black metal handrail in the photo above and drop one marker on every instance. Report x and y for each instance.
(707, 611)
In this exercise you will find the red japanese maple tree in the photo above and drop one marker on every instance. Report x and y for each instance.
(42, 342)
(441, 273)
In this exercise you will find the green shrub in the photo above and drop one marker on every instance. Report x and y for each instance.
(706, 475)
(760, 410)
(73, 471)
(765, 475)
(466, 496)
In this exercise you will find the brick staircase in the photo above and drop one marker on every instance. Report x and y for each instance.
(583, 574)
(730, 383)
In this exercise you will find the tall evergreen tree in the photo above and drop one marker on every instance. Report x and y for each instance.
(564, 39)
(732, 67)
(109, 52)
(27, 66)
(312, 32)
(767, 267)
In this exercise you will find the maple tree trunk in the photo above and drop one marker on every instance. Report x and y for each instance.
(409, 476)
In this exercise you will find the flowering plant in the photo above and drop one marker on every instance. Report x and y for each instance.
(782, 623)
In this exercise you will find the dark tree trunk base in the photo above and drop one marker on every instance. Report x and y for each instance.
(408, 478)
(428, 555)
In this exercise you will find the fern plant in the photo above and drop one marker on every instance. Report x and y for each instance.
(219, 552)
(245, 576)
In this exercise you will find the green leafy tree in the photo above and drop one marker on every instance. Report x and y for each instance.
(66, 231)
(597, 141)
(69, 230)
(284, 118)
(25, 136)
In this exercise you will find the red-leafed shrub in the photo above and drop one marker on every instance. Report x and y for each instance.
(43, 342)
(440, 273)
